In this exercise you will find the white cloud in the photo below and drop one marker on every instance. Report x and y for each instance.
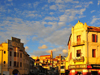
(53, 7)
(65, 51)
(35, 4)
(94, 19)
(43, 47)
(49, 51)
(61, 24)
(98, 2)
(26, 48)
(59, 37)
(51, 13)
(78, 6)
(92, 11)
(9, 0)
(50, 18)
(70, 15)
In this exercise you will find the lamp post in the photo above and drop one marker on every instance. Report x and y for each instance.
(1, 60)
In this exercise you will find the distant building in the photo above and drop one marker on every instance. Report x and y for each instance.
(84, 50)
(13, 58)
(31, 68)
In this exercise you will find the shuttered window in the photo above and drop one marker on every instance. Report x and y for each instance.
(93, 52)
(94, 38)
(78, 39)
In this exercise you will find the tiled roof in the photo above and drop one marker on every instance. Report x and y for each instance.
(92, 28)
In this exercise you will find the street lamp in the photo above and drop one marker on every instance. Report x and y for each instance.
(1, 61)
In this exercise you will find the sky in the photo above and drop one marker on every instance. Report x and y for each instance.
(45, 25)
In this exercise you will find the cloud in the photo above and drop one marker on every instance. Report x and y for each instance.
(50, 18)
(65, 51)
(26, 48)
(98, 2)
(53, 7)
(92, 11)
(9, 0)
(43, 47)
(58, 37)
(70, 15)
(38, 53)
(61, 23)
(49, 51)
(51, 13)
(78, 6)
(94, 19)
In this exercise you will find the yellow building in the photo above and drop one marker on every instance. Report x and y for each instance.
(83, 50)
(13, 58)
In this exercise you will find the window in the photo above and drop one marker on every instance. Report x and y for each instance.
(14, 63)
(4, 52)
(78, 53)
(93, 52)
(17, 54)
(69, 44)
(10, 53)
(20, 55)
(20, 64)
(4, 62)
(10, 63)
(78, 39)
(14, 54)
(94, 38)
(17, 64)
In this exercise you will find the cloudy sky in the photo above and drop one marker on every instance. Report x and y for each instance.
(45, 25)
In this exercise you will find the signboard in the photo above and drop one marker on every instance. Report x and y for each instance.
(95, 66)
(77, 66)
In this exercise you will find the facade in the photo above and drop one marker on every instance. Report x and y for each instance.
(83, 50)
(13, 58)
(31, 69)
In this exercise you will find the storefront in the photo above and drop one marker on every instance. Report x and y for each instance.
(92, 69)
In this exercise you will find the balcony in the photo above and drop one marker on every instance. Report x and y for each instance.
(79, 59)
(74, 44)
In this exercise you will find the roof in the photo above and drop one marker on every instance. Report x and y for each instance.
(95, 29)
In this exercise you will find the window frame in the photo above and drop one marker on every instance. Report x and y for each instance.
(94, 38)
(78, 54)
(93, 53)
(78, 39)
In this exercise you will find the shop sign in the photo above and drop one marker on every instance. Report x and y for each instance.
(95, 66)
(77, 66)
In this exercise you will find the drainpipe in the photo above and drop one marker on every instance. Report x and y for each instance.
(87, 50)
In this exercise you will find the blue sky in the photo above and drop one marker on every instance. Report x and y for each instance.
(44, 25)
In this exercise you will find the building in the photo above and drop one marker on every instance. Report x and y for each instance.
(31, 68)
(13, 58)
(84, 50)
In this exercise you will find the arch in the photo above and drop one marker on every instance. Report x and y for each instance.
(15, 72)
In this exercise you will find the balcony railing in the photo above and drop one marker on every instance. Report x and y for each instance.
(78, 43)
(79, 59)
